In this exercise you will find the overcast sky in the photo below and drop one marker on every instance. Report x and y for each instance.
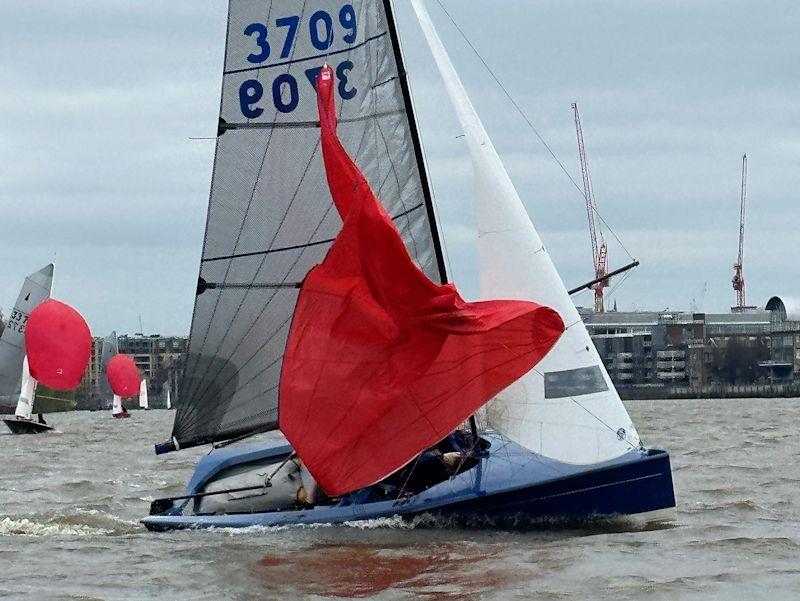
(99, 100)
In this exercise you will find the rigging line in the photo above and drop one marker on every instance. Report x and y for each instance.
(530, 124)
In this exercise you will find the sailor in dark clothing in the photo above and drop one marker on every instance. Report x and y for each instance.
(41, 419)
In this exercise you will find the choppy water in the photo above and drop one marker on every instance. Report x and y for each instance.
(69, 504)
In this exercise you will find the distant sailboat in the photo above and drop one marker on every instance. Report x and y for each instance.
(17, 387)
(143, 402)
(563, 447)
(22, 423)
(169, 401)
(118, 410)
(109, 351)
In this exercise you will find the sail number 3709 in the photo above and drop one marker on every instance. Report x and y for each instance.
(285, 90)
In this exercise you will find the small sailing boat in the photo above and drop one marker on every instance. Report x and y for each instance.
(16, 384)
(108, 351)
(22, 423)
(124, 381)
(169, 400)
(143, 402)
(118, 410)
(560, 447)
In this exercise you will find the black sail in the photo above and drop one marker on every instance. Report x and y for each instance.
(270, 215)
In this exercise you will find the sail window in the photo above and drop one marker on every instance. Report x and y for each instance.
(574, 382)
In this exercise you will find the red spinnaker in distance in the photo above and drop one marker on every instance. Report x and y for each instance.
(123, 376)
(58, 344)
(381, 363)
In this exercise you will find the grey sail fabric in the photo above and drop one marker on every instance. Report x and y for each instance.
(270, 216)
(109, 350)
(35, 289)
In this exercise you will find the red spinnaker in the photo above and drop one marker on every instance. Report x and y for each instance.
(58, 344)
(382, 363)
(123, 376)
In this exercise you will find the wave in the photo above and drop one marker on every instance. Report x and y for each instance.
(26, 527)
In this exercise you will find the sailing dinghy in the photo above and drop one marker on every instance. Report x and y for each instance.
(15, 378)
(143, 402)
(287, 254)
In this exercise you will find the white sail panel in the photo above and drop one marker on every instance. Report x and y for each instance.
(567, 407)
(27, 391)
(143, 401)
(169, 401)
(35, 290)
(116, 405)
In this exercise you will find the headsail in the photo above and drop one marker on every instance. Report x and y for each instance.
(27, 392)
(36, 289)
(270, 216)
(567, 407)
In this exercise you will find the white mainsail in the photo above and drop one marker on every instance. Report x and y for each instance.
(567, 407)
(116, 405)
(35, 289)
(169, 401)
(27, 392)
(143, 404)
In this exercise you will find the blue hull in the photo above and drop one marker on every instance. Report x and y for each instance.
(510, 487)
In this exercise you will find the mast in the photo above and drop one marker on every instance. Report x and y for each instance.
(412, 122)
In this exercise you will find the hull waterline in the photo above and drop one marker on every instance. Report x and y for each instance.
(19, 425)
(509, 488)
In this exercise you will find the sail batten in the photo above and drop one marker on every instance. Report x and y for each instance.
(567, 408)
(270, 216)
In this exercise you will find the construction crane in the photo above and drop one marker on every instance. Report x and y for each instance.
(599, 251)
(738, 274)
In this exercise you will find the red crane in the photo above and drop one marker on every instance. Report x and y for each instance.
(599, 252)
(738, 275)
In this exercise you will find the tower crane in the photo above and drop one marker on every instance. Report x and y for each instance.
(738, 274)
(599, 251)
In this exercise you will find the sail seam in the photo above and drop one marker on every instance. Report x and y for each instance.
(304, 124)
(297, 246)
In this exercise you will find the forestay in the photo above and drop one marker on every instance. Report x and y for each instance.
(36, 289)
(566, 407)
(270, 216)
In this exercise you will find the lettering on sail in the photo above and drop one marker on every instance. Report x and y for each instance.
(276, 41)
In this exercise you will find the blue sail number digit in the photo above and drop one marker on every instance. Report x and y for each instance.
(327, 23)
(341, 72)
(277, 93)
(250, 92)
(260, 31)
(347, 17)
(291, 23)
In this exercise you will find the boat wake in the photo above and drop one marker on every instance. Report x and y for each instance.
(26, 527)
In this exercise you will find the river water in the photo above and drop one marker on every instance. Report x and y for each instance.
(69, 504)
